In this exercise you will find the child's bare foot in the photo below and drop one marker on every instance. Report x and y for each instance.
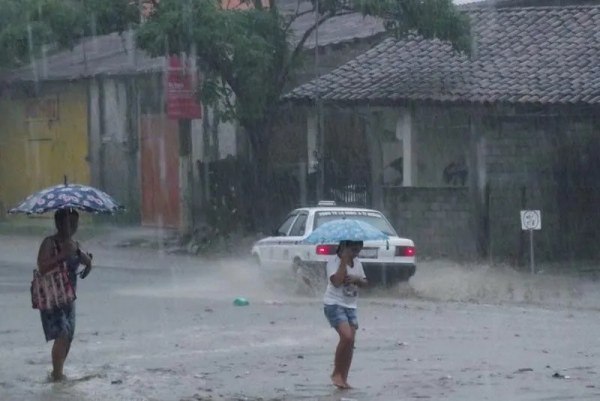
(338, 381)
(57, 377)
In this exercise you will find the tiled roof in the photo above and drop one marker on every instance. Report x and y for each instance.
(113, 54)
(547, 55)
(345, 28)
(336, 30)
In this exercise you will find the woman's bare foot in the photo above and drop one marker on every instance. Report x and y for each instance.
(347, 386)
(338, 381)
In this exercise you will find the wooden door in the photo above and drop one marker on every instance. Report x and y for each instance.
(160, 171)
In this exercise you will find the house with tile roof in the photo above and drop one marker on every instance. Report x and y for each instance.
(457, 145)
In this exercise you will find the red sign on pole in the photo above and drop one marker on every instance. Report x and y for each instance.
(181, 100)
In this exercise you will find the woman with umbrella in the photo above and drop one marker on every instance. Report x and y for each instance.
(61, 253)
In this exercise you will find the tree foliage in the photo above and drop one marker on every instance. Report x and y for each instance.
(429, 18)
(249, 55)
(242, 53)
(28, 25)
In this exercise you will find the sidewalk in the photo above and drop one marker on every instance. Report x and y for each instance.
(107, 234)
(134, 236)
(112, 245)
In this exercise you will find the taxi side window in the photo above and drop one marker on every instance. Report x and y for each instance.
(284, 228)
(299, 226)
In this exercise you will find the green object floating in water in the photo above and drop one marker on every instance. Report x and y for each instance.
(241, 302)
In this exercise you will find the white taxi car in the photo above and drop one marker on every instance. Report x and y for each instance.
(386, 262)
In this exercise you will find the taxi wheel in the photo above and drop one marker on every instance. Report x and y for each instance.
(257, 265)
(311, 279)
(300, 271)
(304, 286)
(296, 266)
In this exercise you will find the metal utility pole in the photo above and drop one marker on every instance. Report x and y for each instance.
(319, 114)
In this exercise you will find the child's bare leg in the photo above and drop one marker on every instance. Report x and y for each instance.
(343, 355)
(348, 361)
(337, 376)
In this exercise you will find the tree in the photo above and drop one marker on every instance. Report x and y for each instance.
(248, 56)
(26, 26)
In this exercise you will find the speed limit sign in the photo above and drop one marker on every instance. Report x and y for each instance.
(531, 220)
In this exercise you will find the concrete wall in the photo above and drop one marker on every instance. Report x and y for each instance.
(549, 162)
(438, 220)
(517, 152)
(114, 141)
(519, 169)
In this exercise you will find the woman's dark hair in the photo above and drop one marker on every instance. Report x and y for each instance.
(61, 214)
(348, 244)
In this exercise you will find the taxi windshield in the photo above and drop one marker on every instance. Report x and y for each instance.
(373, 218)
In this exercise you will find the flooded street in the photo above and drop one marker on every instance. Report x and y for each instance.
(152, 326)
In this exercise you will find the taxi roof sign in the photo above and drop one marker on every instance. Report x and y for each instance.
(327, 203)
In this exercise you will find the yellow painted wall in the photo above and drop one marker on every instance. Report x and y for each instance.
(36, 153)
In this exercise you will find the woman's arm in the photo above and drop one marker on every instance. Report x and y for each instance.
(84, 257)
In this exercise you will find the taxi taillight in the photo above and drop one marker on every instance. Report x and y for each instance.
(326, 249)
(406, 251)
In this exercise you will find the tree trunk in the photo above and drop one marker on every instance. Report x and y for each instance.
(260, 219)
(185, 177)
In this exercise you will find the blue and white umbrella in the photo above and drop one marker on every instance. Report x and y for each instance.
(345, 230)
(68, 196)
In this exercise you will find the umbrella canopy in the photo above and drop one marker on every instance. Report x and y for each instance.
(345, 230)
(68, 196)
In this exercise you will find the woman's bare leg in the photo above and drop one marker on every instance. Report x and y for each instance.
(60, 349)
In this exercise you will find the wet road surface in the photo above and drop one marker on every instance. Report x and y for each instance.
(151, 326)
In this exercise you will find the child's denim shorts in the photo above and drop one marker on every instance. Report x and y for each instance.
(337, 314)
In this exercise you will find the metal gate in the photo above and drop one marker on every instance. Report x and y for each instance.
(347, 177)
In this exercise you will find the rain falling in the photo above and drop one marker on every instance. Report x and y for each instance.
(332, 200)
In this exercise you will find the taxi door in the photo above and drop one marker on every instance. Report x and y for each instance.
(289, 245)
(271, 247)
